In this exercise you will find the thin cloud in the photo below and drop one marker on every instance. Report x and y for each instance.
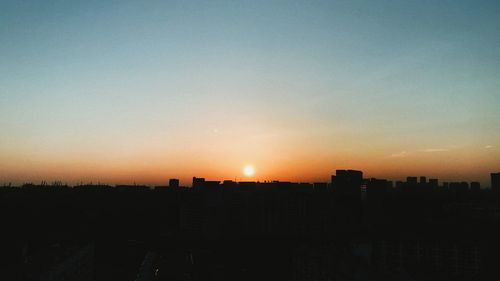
(488, 146)
(399, 154)
(430, 150)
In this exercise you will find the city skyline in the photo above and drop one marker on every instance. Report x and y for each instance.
(419, 182)
(142, 92)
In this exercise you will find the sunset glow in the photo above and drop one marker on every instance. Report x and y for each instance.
(176, 89)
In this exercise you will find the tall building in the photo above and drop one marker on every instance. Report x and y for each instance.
(347, 181)
(411, 180)
(411, 183)
(377, 187)
(173, 183)
(475, 186)
(198, 182)
(495, 182)
(434, 183)
(423, 180)
(320, 185)
(446, 185)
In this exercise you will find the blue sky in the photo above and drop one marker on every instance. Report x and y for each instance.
(145, 90)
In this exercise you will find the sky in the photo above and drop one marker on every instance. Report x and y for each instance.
(143, 91)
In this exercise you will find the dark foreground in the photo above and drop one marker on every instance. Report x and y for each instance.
(248, 231)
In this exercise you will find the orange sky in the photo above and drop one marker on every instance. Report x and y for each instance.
(124, 92)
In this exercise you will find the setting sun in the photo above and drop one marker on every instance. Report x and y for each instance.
(248, 170)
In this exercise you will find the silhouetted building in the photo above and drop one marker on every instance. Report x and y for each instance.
(173, 183)
(320, 186)
(459, 186)
(377, 187)
(433, 183)
(450, 259)
(201, 183)
(198, 182)
(212, 185)
(411, 180)
(308, 186)
(400, 185)
(495, 182)
(61, 262)
(423, 180)
(135, 187)
(475, 186)
(348, 182)
(229, 185)
(247, 185)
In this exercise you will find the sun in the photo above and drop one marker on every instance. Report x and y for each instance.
(248, 170)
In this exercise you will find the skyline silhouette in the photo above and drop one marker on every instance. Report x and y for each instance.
(350, 228)
(493, 180)
(226, 140)
(493, 183)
